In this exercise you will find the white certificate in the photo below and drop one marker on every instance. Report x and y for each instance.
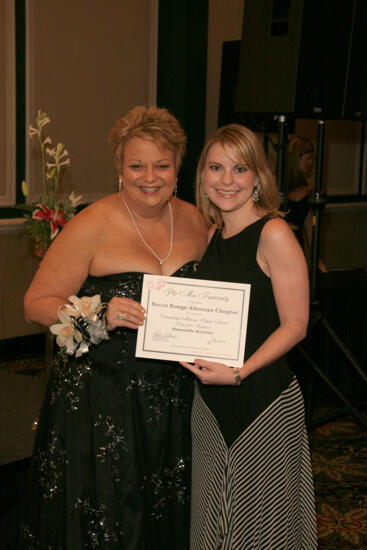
(191, 318)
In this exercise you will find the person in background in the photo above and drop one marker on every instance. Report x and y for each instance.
(252, 484)
(299, 179)
(112, 456)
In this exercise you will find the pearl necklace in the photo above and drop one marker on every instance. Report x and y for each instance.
(161, 260)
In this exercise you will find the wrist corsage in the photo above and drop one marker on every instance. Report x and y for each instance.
(81, 323)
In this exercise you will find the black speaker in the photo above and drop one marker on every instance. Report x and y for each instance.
(228, 81)
(355, 103)
(300, 57)
(258, 122)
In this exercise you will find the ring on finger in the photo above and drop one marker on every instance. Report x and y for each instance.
(121, 316)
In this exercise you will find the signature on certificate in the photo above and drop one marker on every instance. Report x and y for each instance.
(216, 341)
(161, 336)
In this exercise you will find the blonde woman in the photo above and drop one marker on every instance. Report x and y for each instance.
(252, 481)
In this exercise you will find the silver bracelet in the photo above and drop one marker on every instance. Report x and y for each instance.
(237, 377)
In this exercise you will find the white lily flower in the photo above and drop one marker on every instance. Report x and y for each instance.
(42, 122)
(69, 311)
(87, 305)
(32, 131)
(66, 335)
(73, 199)
(64, 153)
(65, 163)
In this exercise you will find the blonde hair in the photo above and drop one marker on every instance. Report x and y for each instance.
(150, 123)
(297, 147)
(249, 150)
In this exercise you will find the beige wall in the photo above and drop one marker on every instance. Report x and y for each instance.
(343, 236)
(17, 268)
(341, 153)
(88, 63)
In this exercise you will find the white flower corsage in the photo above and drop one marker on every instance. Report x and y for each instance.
(80, 324)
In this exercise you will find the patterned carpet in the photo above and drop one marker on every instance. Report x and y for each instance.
(339, 461)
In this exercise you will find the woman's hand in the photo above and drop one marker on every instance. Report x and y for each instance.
(124, 312)
(211, 373)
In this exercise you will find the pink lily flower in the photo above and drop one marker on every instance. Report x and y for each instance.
(55, 217)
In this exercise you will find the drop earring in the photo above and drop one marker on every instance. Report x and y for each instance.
(120, 184)
(256, 193)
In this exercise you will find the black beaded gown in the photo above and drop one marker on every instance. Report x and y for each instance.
(252, 486)
(111, 462)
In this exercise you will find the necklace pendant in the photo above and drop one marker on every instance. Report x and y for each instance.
(142, 238)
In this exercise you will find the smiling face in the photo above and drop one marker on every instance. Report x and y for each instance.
(148, 173)
(228, 182)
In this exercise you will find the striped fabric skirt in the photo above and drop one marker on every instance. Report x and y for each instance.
(258, 493)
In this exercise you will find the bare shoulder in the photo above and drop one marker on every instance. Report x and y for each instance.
(92, 217)
(275, 231)
(278, 245)
(83, 232)
(100, 208)
(191, 215)
(184, 207)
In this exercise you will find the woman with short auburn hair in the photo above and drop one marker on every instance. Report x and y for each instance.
(112, 457)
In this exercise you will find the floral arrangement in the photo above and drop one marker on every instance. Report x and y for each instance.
(45, 218)
(81, 324)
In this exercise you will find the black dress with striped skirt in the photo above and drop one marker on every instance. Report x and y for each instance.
(252, 485)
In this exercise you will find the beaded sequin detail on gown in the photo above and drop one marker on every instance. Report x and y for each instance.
(111, 465)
